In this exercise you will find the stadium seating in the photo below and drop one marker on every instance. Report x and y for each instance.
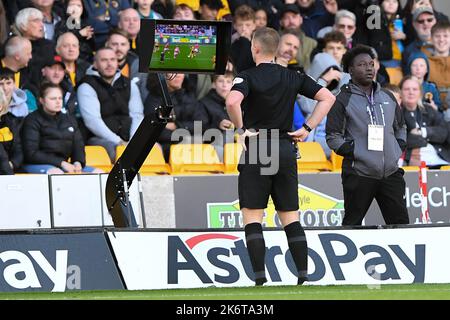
(445, 168)
(231, 156)
(96, 156)
(312, 157)
(395, 75)
(194, 159)
(153, 164)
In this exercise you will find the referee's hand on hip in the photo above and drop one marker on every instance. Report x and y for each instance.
(299, 135)
(247, 133)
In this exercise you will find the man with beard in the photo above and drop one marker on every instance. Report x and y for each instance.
(128, 61)
(366, 127)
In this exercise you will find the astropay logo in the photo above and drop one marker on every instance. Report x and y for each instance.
(222, 258)
(21, 270)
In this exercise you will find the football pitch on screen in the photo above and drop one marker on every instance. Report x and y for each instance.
(355, 292)
(203, 60)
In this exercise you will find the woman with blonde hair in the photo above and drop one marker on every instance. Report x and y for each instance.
(427, 130)
(11, 155)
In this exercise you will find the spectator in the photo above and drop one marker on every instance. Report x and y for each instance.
(104, 16)
(110, 105)
(291, 19)
(335, 45)
(439, 58)
(345, 22)
(16, 98)
(209, 9)
(29, 24)
(130, 23)
(67, 46)
(144, 8)
(419, 67)
(4, 24)
(427, 131)
(385, 39)
(216, 116)
(164, 8)
(244, 23)
(52, 140)
(183, 12)
(128, 61)
(423, 21)
(76, 21)
(260, 18)
(50, 16)
(271, 9)
(18, 53)
(316, 15)
(396, 92)
(185, 109)
(11, 155)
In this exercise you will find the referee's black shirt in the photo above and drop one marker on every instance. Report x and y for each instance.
(269, 93)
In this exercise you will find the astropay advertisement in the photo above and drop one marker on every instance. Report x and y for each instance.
(159, 260)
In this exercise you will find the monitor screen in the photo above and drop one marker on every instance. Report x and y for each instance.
(184, 46)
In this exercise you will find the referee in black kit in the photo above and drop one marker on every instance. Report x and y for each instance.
(268, 92)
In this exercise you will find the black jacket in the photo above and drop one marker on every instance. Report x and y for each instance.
(51, 139)
(436, 127)
(10, 143)
(214, 108)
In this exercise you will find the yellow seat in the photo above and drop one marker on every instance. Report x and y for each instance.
(195, 4)
(312, 157)
(194, 159)
(411, 168)
(231, 155)
(395, 75)
(153, 164)
(445, 168)
(96, 156)
(336, 161)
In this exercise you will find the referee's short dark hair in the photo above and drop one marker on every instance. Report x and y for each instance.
(348, 58)
(268, 38)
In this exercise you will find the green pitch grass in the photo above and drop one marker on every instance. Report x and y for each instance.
(384, 292)
(202, 61)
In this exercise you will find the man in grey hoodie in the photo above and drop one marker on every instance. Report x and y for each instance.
(110, 104)
(366, 127)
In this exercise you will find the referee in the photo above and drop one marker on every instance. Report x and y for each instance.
(267, 93)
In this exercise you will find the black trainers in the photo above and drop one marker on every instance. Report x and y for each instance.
(260, 281)
(301, 280)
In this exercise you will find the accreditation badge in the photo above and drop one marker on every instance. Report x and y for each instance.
(375, 137)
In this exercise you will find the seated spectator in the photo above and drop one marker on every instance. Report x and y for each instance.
(68, 48)
(11, 155)
(29, 24)
(334, 43)
(439, 58)
(423, 20)
(17, 56)
(16, 98)
(51, 15)
(427, 131)
(144, 8)
(260, 18)
(103, 16)
(244, 23)
(290, 18)
(130, 23)
(209, 9)
(419, 67)
(316, 15)
(52, 142)
(396, 92)
(185, 109)
(345, 22)
(271, 8)
(183, 12)
(164, 8)
(110, 104)
(216, 116)
(385, 40)
(76, 21)
(128, 61)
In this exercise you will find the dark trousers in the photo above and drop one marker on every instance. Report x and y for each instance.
(360, 191)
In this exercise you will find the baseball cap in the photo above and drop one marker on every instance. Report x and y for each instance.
(418, 11)
(289, 8)
(55, 60)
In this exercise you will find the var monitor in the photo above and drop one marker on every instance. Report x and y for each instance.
(178, 46)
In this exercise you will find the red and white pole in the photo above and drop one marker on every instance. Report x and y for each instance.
(424, 192)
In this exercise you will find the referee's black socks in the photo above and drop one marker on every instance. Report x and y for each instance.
(256, 247)
(299, 249)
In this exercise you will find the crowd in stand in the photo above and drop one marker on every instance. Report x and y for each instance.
(69, 71)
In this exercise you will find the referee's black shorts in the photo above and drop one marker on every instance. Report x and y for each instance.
(255, 187)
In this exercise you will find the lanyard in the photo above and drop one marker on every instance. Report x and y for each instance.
(371, 109)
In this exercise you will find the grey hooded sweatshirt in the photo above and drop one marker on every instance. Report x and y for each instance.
(347, 131)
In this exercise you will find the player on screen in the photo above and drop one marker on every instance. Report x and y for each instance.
(156, 46)
(176, 51)
(162, 57)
